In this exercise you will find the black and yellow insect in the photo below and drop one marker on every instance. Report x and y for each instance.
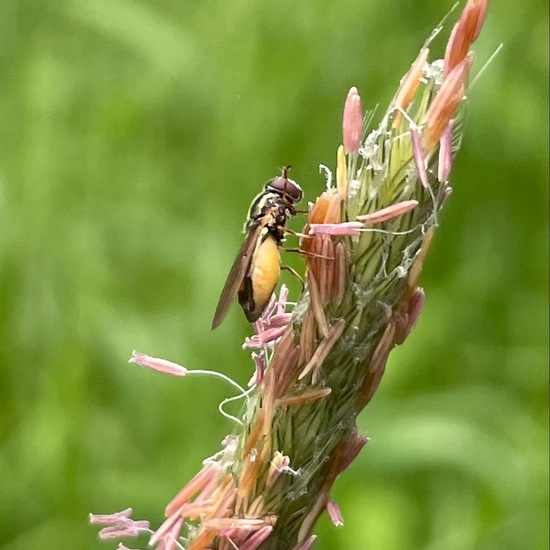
(257, 267)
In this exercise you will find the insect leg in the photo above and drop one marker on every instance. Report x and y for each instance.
(296, 234)
(295, 273)
(306, 253)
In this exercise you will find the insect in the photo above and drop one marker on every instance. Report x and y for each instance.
(256, 269)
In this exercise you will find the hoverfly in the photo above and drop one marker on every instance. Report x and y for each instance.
(256, 269)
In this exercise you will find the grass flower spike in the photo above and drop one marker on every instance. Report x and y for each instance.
(319, 365)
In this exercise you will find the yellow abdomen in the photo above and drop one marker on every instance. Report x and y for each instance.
(265, 272)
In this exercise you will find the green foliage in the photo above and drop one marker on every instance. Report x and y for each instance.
(133, 135)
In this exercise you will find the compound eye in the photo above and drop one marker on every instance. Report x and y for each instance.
(285, 186)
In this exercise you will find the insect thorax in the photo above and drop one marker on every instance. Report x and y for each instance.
(280, 209)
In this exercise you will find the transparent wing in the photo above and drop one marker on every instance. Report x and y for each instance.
(238, 270)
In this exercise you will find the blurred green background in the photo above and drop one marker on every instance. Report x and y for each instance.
(133, 135)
